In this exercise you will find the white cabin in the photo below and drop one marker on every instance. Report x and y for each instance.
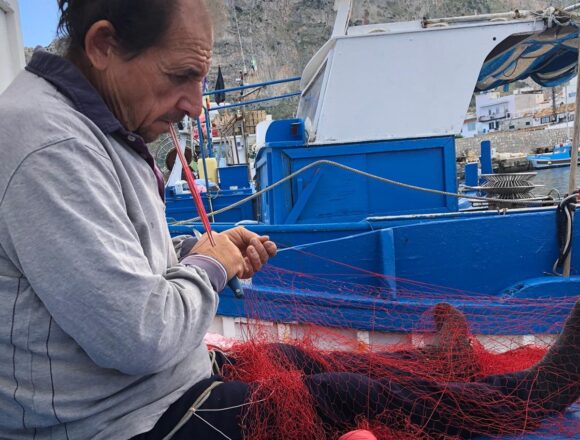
(415, 79)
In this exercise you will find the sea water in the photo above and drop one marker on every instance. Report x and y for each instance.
(554, 178)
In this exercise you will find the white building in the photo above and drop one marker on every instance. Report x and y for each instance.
(495, 112)
(469, 129)
(11, 47)
(570, 91)
(491, 108)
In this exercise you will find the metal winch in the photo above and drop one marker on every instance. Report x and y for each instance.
(508, 187)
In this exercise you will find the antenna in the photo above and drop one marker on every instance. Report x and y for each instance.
(343, 10)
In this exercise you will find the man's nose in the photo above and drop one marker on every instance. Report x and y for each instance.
(188, 106)
(190, 101)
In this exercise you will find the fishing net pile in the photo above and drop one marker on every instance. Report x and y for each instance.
(414, 384)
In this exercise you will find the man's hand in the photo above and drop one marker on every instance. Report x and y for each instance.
(255, 249)
(240, 251)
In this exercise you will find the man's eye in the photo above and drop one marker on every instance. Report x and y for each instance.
(179, 79)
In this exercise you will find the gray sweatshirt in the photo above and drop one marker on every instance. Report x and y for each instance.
(101, 328)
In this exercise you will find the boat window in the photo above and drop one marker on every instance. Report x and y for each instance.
(309, 101)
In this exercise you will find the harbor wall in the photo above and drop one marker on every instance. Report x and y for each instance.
(522, 141)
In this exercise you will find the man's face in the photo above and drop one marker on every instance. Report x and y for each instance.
(164, 83)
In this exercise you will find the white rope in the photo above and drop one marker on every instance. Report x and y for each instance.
(222, 409)
(230, 407)
(365, 174)
(211, 426)
(194, 410)
(191, 411)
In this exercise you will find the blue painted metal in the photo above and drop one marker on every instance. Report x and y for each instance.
(389, 268)
(341, 196)
(485, 159)
(366, 281)
(471, 174)
(496, 256)
(234, 176)
(180, 207)
(290, 235)
(304, 197)
(286, 235)
(558, 157)
(287, 132)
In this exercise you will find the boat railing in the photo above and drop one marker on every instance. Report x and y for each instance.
(552, 14)
(206, 141)
(255, 86)
(540, 202)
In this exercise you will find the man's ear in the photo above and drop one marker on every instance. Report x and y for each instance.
(100, 44)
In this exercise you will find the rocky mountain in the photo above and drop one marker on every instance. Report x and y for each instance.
(278, 37)
(262, 40)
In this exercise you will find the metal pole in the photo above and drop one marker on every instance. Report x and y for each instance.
(567, 113)
(252, 86)
(203, 161)
(244, 136)
(235, 154)
(257, 101)
(208, 129)
(514, 15)
(572, 7)
(574, 158)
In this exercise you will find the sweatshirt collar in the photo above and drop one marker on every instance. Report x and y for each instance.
(70, 81)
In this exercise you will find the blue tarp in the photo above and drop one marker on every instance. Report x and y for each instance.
(549, 58)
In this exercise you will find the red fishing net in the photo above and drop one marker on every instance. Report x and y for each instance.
(440, 379)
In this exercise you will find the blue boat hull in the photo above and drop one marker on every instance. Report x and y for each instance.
(549, 163)
(560, 157)
(493, 267)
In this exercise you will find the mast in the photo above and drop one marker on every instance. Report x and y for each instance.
(574, 158)
(343, 10)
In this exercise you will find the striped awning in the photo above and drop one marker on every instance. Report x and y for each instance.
(549, 58)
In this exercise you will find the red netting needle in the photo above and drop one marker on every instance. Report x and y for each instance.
(192, 186)
(234, 283)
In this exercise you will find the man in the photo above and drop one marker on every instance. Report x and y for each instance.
(102, 327)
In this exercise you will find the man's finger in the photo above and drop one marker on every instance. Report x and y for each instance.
(271, 248)
(254, 258)
(248, 271)
(244, 235)
(260, 250)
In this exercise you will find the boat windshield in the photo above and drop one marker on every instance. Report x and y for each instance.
(309, 101)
